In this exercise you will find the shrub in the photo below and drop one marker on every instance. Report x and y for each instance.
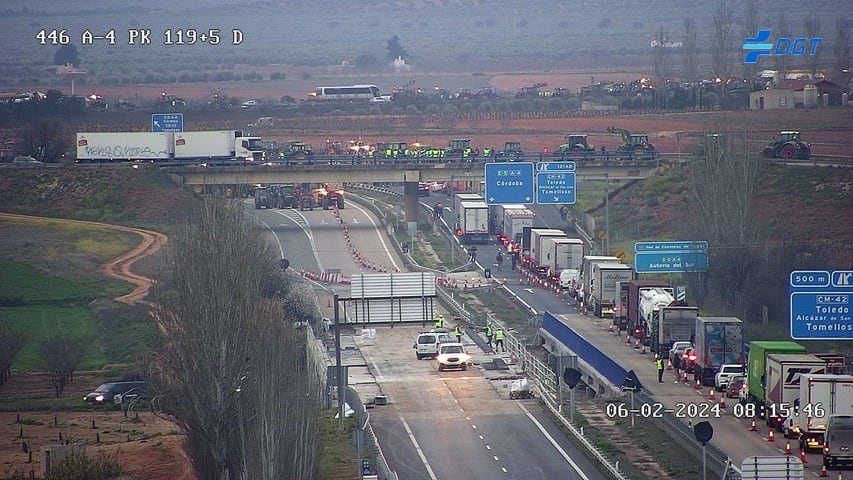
(80, 466)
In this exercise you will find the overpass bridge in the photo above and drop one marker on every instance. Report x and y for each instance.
(334, 169)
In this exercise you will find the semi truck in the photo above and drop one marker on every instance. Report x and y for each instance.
(782, 388)
(474, 222)
(513, 223)
(717, 341)
(464, 197)
(672, 323)
(537, 264)
(601, 288)
(563, 254)
(223, 146)
(630, 294)
(820, 396)
(756, 366)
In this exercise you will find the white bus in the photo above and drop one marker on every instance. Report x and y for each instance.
(346, 93)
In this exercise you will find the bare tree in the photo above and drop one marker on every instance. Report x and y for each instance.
(841, 52)
(689, 51)
(724, 178)
(11, 342)
(61, 354)
(231, 371)
(812, 27)
(721, 45)
(750, 29)
(45, 139)
(783, 62)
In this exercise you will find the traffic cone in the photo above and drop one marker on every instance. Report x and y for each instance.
(698, 384)
(669, 364)
(752, 426)
(711, 394)
(823, 472)
(723, 401)
(329, 303)
(788, 449)
(627, 340)
(643, 350)
(684, 376)
(637, 345)
(803, 456)
(770, 436)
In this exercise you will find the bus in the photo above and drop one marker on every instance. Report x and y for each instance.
(345, 93)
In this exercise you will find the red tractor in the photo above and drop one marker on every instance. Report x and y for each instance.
(787, 146)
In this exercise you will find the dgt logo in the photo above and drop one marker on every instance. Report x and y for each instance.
(758, 46)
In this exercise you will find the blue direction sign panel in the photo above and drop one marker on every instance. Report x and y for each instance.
(670, 262)
(509, 182)
(555, 167)
(821, 304)
(555, 187)
(167, 122)
(688, 246)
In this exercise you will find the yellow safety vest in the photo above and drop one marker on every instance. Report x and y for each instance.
(499, 334)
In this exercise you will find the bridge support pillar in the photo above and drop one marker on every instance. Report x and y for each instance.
(410, 193)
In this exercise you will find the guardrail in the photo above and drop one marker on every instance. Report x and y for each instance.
(544, 377)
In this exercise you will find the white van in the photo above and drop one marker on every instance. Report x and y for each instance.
(426, 346)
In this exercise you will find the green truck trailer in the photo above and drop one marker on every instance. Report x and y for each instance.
(757, 365)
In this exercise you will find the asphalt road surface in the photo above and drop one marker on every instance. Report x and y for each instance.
(444, 425)
(731, 435)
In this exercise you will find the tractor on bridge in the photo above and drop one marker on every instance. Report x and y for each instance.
(787, 146)
(635, 146)
(576, 144)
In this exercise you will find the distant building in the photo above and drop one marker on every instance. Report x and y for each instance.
(833, 90)
(771, 99)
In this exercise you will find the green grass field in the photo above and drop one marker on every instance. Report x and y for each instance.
(50, 285)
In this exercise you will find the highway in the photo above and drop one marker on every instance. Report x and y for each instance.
(444, 425)
(731, 435)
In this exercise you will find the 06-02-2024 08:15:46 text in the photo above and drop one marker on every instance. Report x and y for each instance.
(657, 410)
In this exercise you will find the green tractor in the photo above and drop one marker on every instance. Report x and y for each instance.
(511, 151)
(576, 144)
(787, 146)
(635, 146)
(459, 147)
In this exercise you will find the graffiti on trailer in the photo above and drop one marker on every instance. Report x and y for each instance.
(124, 151)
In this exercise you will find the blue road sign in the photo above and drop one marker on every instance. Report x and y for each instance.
(688, 246)
(555, 167)
(821, 304)
(670, 262)
(167, 122)
(555, 187)
(509, 182)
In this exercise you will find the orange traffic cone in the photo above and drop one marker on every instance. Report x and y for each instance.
(823, 472)
(329, 303)
(711, 394)
(723, 401)
(669, 364)
(770, 436)
(803, 456)
(684, 377)
(752, 426)
(788, 448)
(698, 384)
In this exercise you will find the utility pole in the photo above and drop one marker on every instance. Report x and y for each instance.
(607, 213)
(339, 375)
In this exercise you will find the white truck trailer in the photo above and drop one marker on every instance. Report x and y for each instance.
(820, 396)
(222, 146)
(538, 248)
(602, 291)
(474, 222)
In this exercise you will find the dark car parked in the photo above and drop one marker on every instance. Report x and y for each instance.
(113, 392)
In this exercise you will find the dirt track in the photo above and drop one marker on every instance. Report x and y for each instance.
(120, 267)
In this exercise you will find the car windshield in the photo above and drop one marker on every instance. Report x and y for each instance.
(105, 387)
(426, 339)
(451, 349)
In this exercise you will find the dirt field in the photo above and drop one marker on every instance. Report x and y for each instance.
(149, 447)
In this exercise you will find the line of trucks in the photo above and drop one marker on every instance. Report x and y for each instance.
(211, 147)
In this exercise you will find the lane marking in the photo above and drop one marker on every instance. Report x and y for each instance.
(553, 442)
(418, 449)
(379, 235)
(306, 227)
(278, 240)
